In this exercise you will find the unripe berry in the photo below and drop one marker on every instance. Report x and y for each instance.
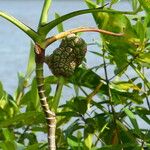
(67, 56)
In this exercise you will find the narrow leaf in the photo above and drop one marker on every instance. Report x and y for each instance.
(60, 27)
(132, 119)
(31, 61)
(46, 28)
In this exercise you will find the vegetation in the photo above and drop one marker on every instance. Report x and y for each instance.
(103, 114)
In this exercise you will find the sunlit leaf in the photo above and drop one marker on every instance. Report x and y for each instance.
(88, 141)
(146, 5)
(144, 57)
(118, 47)
(124, 86)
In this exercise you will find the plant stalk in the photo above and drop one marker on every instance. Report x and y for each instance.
(49, 115)
(61, 35)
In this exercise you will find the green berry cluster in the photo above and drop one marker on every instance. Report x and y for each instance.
(67, 56)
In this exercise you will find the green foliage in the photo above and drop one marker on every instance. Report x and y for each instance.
(103, 110)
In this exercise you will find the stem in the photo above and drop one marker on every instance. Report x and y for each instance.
(30, 32)
(49, 115)
(93, 93)
(58, 93)
(44, 14)
(75, 30)
(109, 90)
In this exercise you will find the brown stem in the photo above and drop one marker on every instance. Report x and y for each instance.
(49, 115)
(61, 35)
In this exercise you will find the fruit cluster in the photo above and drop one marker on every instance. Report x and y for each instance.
(67, 56)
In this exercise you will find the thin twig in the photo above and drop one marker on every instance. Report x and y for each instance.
(61, 35)
(94, 92)
(109, 90)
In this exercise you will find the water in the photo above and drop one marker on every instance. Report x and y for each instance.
(14, 44)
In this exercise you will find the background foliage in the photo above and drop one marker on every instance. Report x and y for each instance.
(105, 110)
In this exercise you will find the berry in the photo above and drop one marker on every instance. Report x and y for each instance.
(68, 56)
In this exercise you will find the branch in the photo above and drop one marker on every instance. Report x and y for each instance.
(93, 93)
(49, 115)
(30, 32)
(75, 30)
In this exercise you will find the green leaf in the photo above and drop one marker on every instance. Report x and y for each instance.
(133, 120)
(113, 2)
(144, 58)
(143, 113)
(124, 86)
(33, 147)
(89, 79)
(118, 47)
(125, 135)
(28, 118)
(20, 88)
(1, 90)
(8, 145)
(73, 142)
(31, 98)
(31, 61)
(9, 136)
(51, 80)
(46, 28)
(134, 4)
(83, 77)
(88, 141)
(146, 5)
(34, 97)
(75, 126)
(140, 29)
(120, 146)
(60, 27)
